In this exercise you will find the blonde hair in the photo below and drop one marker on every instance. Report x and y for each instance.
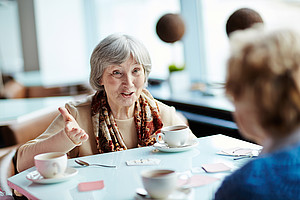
(116, 49)
(264, 67)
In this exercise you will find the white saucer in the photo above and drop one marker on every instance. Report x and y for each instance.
(176, 195)
(37, 178)
(164, 147)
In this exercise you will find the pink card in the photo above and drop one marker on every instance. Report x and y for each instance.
(215, 167)
(88, 186)
(197, 181)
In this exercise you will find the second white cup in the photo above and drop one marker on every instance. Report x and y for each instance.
(174, 136)
(51, 165)
(159, 183)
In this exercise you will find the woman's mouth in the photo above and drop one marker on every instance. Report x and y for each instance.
(127, 94)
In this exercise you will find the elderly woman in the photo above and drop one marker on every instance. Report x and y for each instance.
(121, 115)
(264, 83)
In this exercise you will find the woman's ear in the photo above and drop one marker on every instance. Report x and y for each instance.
(100, 82)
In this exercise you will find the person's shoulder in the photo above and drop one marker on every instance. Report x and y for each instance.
(80, 107)
(270, 171)
(82, 102)
(241, 182)
(164, 107)
(286, 156)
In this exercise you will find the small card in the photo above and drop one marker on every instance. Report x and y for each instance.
(215, 167)
(89, 186)
(197, 181)
(237, 151)
(148, 161)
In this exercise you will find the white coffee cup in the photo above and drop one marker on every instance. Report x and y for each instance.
(159, 183)
(174, 136)
(51, 165)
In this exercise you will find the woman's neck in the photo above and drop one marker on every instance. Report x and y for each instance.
(122, 113)
(273, 144)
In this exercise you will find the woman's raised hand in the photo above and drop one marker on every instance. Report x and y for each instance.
(72, 129)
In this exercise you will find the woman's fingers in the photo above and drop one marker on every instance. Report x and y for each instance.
(65, 114)
(74, 132)
(83, 136)
(77, 135)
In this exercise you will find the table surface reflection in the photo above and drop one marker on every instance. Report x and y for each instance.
(16, 110)
(121, 182)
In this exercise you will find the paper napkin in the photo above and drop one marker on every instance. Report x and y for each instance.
(215, 167)
(197, 181)
(237, 151)
(89, 186)
(148, 161)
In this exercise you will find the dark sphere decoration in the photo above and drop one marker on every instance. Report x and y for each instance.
(242, 19)
(170, 28)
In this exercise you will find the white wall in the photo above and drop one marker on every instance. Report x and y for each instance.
(61, 40)
(11, 59)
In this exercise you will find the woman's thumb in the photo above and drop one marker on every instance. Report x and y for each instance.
(65, 114)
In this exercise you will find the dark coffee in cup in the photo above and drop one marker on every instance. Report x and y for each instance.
(159, 183)
(174, 136)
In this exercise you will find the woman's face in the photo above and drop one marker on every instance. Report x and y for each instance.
(246, 118)
(123, 83)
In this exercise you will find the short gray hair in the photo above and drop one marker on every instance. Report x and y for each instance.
(264, 67)
(114, 50)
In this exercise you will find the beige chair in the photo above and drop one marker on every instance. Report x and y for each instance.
(13, 90)
(7, 168)
(31, 128)
(22, 132)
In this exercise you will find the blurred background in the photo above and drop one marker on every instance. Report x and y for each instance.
(45, 47)
(52, 40)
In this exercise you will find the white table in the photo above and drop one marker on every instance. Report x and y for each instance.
(15, 110)
(121, 183)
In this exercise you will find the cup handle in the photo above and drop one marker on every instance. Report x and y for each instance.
(184, 180)
(160, 138)
(57, 168)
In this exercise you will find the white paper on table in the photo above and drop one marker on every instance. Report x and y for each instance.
(215, 167)
(148, 161)
(237, 151)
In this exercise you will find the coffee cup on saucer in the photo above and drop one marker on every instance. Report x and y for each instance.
(51, 165)
(159, 183)
(174, 136)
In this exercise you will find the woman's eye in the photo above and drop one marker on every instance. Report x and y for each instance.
(117, 74)
(136, 70)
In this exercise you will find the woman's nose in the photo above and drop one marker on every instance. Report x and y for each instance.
(128, 80)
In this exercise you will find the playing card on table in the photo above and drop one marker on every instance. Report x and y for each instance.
(237, 151)
(215, 167)
(148, 161)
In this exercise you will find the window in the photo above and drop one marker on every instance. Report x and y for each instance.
(139, 18)
(11, 58)
(68, 30)
(280, 13)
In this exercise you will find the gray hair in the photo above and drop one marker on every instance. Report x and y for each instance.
(264, 67)
(114, 50)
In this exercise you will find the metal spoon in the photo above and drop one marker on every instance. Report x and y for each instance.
(254, 153)
(142, 192)
(84, 163)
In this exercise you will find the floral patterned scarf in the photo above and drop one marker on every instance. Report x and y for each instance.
(146, 116)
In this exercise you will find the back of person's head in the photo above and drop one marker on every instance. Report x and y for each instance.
(114, 50)
(241, 19)
(264, 68)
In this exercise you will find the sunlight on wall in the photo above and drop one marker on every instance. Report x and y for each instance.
(61, 40)
(139, 18)
(11, 58)
(274, 13)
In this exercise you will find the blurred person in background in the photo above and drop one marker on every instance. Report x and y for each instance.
(263, 80)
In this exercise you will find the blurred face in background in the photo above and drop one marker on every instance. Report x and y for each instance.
(246, 119)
